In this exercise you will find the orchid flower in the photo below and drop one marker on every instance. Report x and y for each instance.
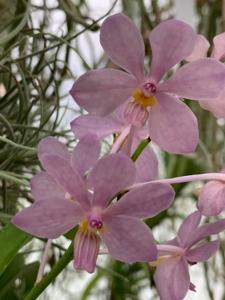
(72, 202)
(211, 200)
(146, 163)
(172, 276)
(151, 100)
(216, 105)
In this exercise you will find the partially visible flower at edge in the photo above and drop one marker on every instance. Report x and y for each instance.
(168, 119)
(172, 275)
(70, 203)
(216, 105)
(211, 201)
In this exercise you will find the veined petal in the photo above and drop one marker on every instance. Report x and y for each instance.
(172, 279)
(101, 126)
(85, 154)
(203, 252)
(123, 43)
(202, 79)
(218, 46)
(188, 226)
(49, 219)
(128, 239)
(44, 187)
(86, 248)
(147, 162)
(205, 231)
(102, 91)
(147, 166)
(111, 174)
(51, 145)
(68, 178)
(171, 41)
(170, 123)
(142, 202)
(200, 49)
(215, 106)
(212, 198)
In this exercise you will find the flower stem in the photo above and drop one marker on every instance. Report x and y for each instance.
(59, 266)
(140, 148)
(43, 261)
(116, 146)
(182, 179)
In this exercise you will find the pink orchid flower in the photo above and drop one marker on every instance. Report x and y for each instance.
(151, 100)
(216, 105)
(211, 201)
(71, 202)
(172, 276)
(146, 164)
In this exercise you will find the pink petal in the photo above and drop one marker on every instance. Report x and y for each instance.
(219, 46)
(51, 145)
(203, 252)
(101, 126)
(171, 42)
(102, 91)
(86, 248)
(146, 201)
(170, 122)
(215, 106)
(68, 178)
(172, 279)
(202, 79)
(49, 219)
(127, 144)
(128, 239)
(188, 227)
(200, 49)
(212, 198)
(85, 154)
(112, 174)
(205, 231)
(123, 43)
(44, 187)
(146, 164)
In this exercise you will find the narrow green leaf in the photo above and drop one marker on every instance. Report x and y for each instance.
(11, 240)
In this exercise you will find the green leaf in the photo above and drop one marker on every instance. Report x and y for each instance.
(18, 278)
(11, 239)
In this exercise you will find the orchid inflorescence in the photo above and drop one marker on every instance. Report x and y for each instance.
(109, 197)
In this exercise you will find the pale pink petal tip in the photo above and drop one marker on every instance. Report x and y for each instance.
(128, 239)
(124, 44)
(189, 81)
(216, 106)
(85, 154)
(112, 174)
(212, 198)
(101, 91)
(176, 122)
(171, 41)
(50, 145)
(200, 49)
(219, 46)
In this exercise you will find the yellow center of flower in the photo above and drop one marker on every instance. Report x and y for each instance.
(90, 226)
(141, 99)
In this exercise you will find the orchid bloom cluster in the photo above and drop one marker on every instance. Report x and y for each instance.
(109, 197)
